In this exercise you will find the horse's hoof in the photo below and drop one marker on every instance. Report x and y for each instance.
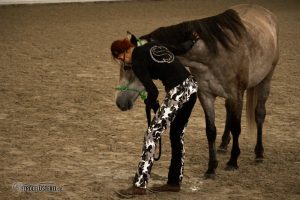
(222, 150)
(231, 167)
(210, 176)
(259, 160)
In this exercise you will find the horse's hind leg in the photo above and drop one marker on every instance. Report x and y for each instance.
(226, 135)
(262, 92)
(234, 120)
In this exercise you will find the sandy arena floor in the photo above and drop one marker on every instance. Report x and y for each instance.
(59, 123)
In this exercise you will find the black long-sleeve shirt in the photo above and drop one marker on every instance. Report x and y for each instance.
(156, 61)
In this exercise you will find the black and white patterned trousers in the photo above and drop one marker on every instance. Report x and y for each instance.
(175, 112)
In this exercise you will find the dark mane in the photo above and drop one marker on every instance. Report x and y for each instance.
(210, 29)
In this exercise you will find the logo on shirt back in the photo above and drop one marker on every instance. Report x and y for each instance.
(161, 54)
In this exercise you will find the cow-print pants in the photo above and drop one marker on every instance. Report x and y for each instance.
(175, 112)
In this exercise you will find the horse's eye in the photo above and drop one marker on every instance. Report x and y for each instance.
(127, 67)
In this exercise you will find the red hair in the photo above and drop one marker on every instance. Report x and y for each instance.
(120, 46)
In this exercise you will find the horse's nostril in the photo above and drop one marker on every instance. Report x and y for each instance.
(129, 105)
(119, 106)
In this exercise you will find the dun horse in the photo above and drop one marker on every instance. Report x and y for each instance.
(237, 52)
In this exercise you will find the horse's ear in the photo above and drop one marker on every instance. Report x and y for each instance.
(132, 38)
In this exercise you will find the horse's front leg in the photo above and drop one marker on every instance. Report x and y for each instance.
(207, 102)
(226, 135)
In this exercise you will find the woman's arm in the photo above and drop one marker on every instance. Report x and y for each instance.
(140, 69)
(183, 47)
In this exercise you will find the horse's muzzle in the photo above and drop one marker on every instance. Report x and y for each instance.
(124, 105)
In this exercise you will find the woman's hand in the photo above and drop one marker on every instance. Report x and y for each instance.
(195, 36)
(153, 105)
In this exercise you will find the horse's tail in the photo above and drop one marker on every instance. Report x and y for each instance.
(250, 108)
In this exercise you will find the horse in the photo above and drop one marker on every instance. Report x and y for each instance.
(237, 52)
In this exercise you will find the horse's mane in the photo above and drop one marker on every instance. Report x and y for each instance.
(210, 30)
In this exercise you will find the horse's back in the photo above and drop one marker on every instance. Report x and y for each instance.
(257, 16)
(262, 42)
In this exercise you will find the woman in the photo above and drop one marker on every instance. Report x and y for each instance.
(156, 61)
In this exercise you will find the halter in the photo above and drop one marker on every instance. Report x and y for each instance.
(141, 42)
(142, 93)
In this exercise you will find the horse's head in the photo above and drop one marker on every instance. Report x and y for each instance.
(129, 89)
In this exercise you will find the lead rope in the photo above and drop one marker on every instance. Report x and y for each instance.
(143, 95)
